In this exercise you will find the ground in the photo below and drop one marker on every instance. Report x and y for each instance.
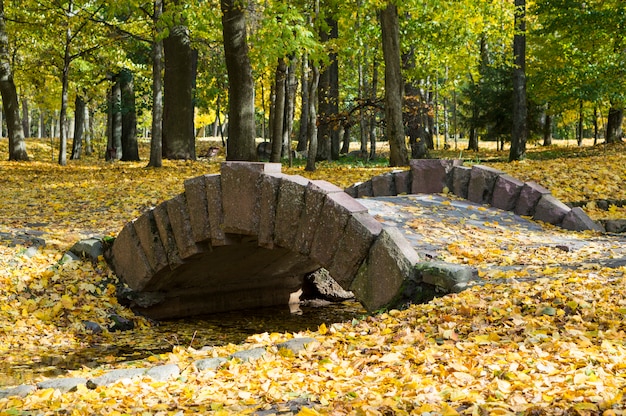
(550, 344)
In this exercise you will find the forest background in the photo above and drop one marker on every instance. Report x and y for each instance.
(72, 63)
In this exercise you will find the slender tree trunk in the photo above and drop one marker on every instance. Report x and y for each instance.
(15, 131)
(291, 87)
(579, 131)
(25, 117)
(278, 113)
(79, 127)
(547, 130)
(114, 122)
(345, 147)
(178, 100)
(519, 135)
(88, 131)
(156, 141)
(328, 99)
(614, 132)
(372, 121)
(241, 123)
(398, 155)
(64, 98)
(130, 147)
(595, 124)
(313, 84)
(304, 112)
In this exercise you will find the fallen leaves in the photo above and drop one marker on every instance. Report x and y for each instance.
(539, 337)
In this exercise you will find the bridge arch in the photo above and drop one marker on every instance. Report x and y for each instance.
(245, 238)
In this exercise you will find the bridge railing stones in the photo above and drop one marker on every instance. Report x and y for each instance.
(482, 185)
(240, 239)
(245, 238)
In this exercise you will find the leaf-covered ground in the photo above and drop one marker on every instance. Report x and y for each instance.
(547, 345)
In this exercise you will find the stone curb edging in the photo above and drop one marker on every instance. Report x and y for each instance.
(480, 184)
(157, 373)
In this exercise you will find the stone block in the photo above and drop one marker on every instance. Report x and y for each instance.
(289, 209)
(352, 190)
(195, 195)
(364, 190)
(354, 245)
(128, 259)
(314, 197)
(506, 192)
(64, 385)
(114, 376)
(430, 176)
(148, 234)
(449, 277)
(337, 209)
(209, 363)
(460, 180)
(577, 220)
(389, 265)
(240, 195)
(615, 226)
(383, 185)
(482, 182)
(181, 227)
(268, 200)
(166, 233)
(529, 197)
(163, 372)
(402, 180)
(297, 344)
(213, 185)
(550, 210)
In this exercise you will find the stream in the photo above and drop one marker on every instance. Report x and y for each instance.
(216, 329)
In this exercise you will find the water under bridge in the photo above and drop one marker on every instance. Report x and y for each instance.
(246, 237)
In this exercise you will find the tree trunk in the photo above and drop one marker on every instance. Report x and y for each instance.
(398, 155)
(313, 85)
(328, 99)
(547, 130)
(345, 147)
(291, 87)
(595, 124)
(156, 141)
(64, 99)
(130, 147)
(304, 112)
(114, 123)
(178, 100)
(519, 135)
(241, 124)
(88, 131)
(372, 121)
(579, 130)
(15, 131)
(25, 117)
(278, 113)
(614, 132)
(79, 126)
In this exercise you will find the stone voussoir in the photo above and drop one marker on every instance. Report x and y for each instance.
(289, 209)
(128, 259)
(577, 220)
(482, 182)
(240, 194)
(182, 229)
(359, 235)
(550, 210)
(384, 185)
(506, 192)
(336, 210)
(198, 208)
(314, 197)
(431, 176)
(529, 196)
(402, 180)
(268, 200)
(460, 180)
(213, 186)
(389, 265)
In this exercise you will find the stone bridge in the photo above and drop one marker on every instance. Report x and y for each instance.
(245, 238)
